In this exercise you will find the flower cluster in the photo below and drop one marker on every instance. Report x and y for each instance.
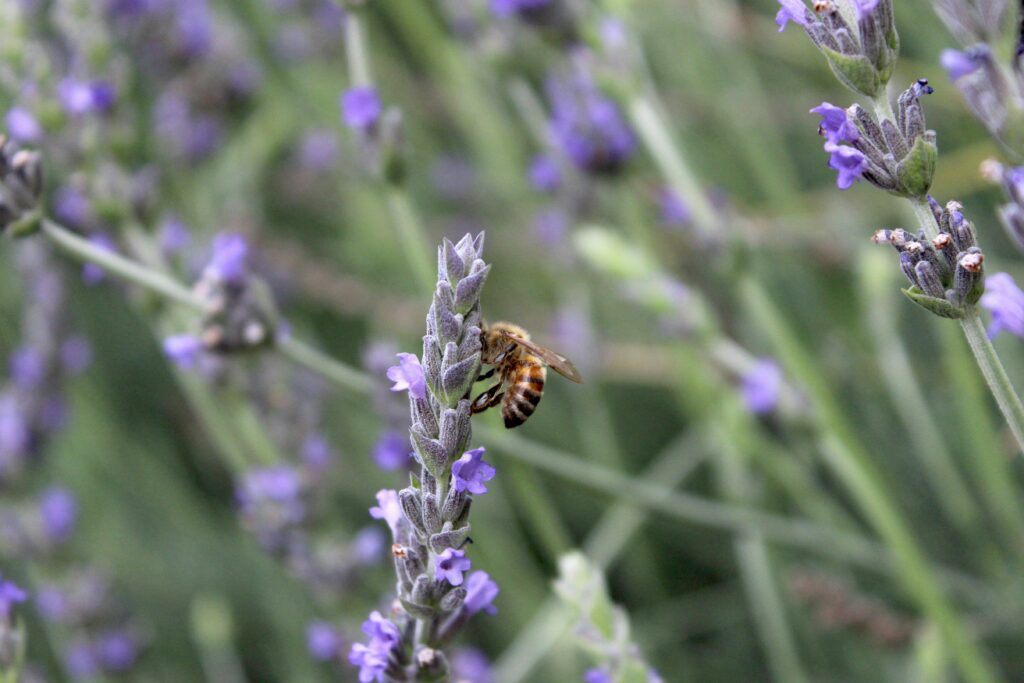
(429, 519)
(12, 636)
(379, 132)
(1006, 302)
(239, 311)
(894, 155)
(991, 91)
(602, 627)
(946, 272)
(1011, 214)
(863, 56)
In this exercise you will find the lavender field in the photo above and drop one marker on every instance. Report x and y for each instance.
(511, 341)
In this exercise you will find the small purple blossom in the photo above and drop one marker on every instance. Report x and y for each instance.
(597, 676)
(80, 660)
(85, 97)
(1006, 301)
(15, 434)
(864, 8)
(848, 163)
(372, 657)
(76, 355)
(589, 126)
(836, 124)
(551, 226)
(389, 509)
(323, 641)
(279, 485)
(10, 595)
(481, 591)
(791, 10)
(408, 375)
(450, 565)
(22, 125)
(183, 350)
(674, 212)
(959, 64)
(71, 206)
(545, 174)
(228, 257)
(391, 451)
(174, 235)
(58, 511)
(117, 650)
(471, 471)
(470, 665)
(27, 367)
(318, 150)
(317, 453)
(761, 386)
(368, 545)
(360, 107)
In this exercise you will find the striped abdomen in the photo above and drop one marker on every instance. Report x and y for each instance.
(525, 387)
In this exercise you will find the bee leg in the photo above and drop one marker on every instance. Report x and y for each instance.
(488, 399)
(486, 375)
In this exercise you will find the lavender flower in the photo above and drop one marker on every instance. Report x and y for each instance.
(959, 64)
(471, 471)
(408, 376)
(391, 451)
(450, 566)
(228, 258)
(10, 595)
(470, 665)
(1011, 214)
(361, 108)
(372, 658)
(22, 125)
(428, 520)
(183, 350)
(597, 676)
(481, 592)
(324, 641)
(58, 511)
(761, 386)
(545, 174)
(674, 212)
(862, 56)
(271, 504)
(897, 156)
(589, 126)
(1006, 302)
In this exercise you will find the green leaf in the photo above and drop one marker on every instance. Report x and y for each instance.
(939, 307)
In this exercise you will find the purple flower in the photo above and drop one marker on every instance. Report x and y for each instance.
(280, 485)
(481, 591)
(372, 657)
(470, 472)
(836, 124)
(589, 127)
(391, 451)
(959, 64)
(318, 150)
(80, 660)
(76, 355)
(673, 211)
(847, 162)
(408, 375)
(15, 435)
(450, 565)
(84, 97)
(360, 107)
(545, 174)
(368, 545)
(174, 235)
(470, 665)
(1006, 301)
(323, 641)
(117, 650)
(791, 10)
(316, 452)
(761, 386)
(92, 274)
(228, 257)
(71, 206)
(58, 511)
(10, 595)
(597, 676)
(22, 125)
(389, 509)
(27, 367)
(864, 8)
(183, 350)
(194, 26)
(52, 604)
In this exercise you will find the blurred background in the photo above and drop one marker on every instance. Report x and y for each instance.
(767, 565)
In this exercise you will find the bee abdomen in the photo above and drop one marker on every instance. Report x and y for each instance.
(524, 395)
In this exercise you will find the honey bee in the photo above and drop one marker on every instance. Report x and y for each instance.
(522, 368)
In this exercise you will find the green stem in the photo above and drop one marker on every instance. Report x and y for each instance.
(650, 124)
(115, 264)
(356, 52)
(412, 237)
(995, 375)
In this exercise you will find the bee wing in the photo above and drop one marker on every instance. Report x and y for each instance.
(555, 361)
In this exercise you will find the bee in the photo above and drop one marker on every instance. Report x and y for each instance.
(522, 368)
